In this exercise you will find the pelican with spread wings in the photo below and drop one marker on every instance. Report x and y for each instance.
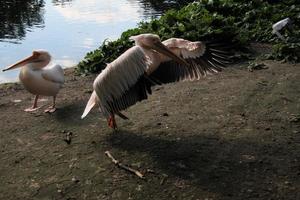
(129, 78)
(40, 78)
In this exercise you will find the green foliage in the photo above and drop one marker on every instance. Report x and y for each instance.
(286, 52)
(239, 20)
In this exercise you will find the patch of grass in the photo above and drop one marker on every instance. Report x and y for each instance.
(238, 20)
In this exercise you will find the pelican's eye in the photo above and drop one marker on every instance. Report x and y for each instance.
(154, 40)
(35, 53)
(36, 60)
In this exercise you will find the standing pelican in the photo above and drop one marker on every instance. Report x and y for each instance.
(129, 78)
(39, 78)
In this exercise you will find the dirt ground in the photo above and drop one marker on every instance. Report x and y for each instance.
(234, 135)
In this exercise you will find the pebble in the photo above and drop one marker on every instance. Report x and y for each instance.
(165, 114)
(17, 100)
(88, 91)
(88, 182)
(295, 119)
(296, 132)
(75, 180)
(287, 183)
(139, 188)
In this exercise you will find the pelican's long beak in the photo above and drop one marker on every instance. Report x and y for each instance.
(21, 63)
(160, 47)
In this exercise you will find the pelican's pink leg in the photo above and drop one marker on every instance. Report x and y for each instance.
(52, 108)
(34, 106)
(112, 122)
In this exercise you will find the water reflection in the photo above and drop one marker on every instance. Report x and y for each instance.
(17, 16)
(89, 11)
(161, 5)
(61, 2)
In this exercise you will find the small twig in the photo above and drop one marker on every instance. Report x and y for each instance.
(165, 176)
(120, 165)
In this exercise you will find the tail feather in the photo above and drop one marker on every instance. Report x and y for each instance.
(90, 104)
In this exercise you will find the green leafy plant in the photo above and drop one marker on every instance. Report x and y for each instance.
(238, 20)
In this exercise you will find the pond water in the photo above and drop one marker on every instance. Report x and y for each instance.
(68, 29)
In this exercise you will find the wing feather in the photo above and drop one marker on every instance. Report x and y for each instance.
(54, 74)
(138, 92)
(203, 59)
(117, 86)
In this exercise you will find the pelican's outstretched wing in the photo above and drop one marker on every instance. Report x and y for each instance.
(54, 74)
(203, 59)
(118, 85)
(138, 92)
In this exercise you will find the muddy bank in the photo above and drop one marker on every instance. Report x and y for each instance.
(234, 135)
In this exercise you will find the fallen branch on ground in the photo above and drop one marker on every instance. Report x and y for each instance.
(120, 165)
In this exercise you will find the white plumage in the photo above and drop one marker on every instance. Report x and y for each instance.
(279, 26)
(40, 78)
(129, 78)
(119, 76)
(187, 48)
(54, 73)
